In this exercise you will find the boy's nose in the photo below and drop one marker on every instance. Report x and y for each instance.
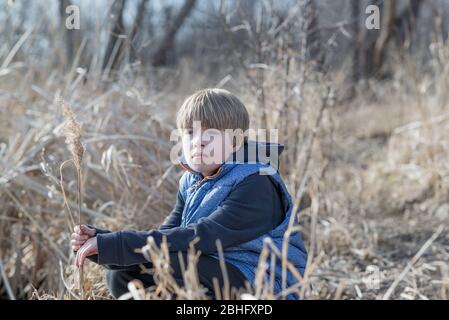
(197, 141)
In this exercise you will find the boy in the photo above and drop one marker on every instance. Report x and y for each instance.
(219, 198)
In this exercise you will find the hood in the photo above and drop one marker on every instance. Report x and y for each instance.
(258, 151)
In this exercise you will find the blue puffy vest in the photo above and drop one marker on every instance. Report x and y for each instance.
(203, 195)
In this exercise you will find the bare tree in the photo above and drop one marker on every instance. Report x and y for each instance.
(396, 25)
(114, 50)
(355, 16)
(137, 25)
(314, 52)
(68, 35)
(160, 56)
(386, 32)
(405, 23)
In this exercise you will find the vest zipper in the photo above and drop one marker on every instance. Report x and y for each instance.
(207, 177)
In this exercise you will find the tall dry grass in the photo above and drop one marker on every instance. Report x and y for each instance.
(369, 176)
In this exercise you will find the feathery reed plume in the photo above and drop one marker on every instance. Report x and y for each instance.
(72, 133)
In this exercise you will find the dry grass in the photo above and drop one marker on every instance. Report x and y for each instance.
(376, 175)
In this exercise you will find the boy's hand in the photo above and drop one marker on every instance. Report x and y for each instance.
(80, 236)
(88, 249)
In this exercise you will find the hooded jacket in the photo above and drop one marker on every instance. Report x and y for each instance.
(242, 204)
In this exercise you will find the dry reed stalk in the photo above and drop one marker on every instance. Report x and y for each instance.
(39, 227)
(70, 219)
(271, 250)
(166, 285)
(313, 240)
(159, 257)
(68, 288)
(412, 262)
(6, 282)
(192, 285)
(226, 285)
(260, 272)
(329, 95)
(73, 140)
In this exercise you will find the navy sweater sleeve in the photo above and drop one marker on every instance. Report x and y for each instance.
(252, 209)
(174, 218)
(94, 258)
(171, 221)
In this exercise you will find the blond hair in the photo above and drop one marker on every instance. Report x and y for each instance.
(215, 108)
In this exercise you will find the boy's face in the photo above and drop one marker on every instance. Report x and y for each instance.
(205, 150)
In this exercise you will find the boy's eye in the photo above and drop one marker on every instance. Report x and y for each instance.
(189, 131)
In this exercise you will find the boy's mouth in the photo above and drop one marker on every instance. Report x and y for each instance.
(197, 154)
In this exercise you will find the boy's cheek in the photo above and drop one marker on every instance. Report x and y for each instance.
(186, 149)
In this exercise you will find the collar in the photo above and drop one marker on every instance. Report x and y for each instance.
(249, 153)
(223, 169)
